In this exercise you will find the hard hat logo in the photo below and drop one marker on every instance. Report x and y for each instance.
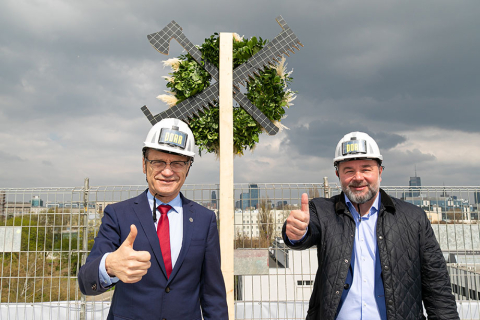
(173, 138)
(354, 147)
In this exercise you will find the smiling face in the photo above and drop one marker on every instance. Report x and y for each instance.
(360, 180)
(165, 183)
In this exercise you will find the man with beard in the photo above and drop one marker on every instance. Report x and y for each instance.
(377, 255)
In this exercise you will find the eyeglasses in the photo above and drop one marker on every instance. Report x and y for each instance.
(174, 165)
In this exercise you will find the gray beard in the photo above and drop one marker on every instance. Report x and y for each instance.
(358, 198)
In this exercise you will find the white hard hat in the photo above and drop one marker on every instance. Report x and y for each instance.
(171, 135)
(357, 145)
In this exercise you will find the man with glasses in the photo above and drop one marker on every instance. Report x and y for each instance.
(378, 258)
(159, 250)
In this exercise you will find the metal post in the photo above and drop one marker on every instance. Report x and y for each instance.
(86, 187)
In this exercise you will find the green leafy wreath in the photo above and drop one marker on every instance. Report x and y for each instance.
(269, 92)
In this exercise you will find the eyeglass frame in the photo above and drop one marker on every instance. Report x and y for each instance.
(170, 164)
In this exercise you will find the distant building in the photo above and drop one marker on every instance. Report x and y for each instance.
(434, 213)
(476, 195)
(254, 194)
(281, 204)
(73, 204)
(244, 202)
(15, 208)
(249, 199)
(442, 207)
(214, 200)
(415, 183)
(37, 202)
(414, 189)
(247, 222)
(448, 208)
(2, 203)
(100, 205)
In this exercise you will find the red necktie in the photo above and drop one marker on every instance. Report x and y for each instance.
(164, 237)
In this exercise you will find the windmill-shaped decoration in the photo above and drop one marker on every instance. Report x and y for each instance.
(283, 43)
(223, 91)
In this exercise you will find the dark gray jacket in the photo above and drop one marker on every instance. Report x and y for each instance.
(413, 267)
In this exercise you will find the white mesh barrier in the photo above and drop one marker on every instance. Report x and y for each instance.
(47, 234)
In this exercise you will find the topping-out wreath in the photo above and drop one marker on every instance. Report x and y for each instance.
(269, 92)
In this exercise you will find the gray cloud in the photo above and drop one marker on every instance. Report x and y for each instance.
(319, 138)
(4, 157)
(413, 157)
(73, 76)
(47, 163)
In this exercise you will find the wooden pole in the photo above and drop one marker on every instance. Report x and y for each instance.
(227, 230)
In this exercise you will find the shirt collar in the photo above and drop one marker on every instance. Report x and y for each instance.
(373, 209)
(176, 203)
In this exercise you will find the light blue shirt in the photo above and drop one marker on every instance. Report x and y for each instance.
(366, 298)
(175, 220)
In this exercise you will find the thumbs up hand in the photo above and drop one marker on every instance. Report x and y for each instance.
(127, 264)
(298, 220)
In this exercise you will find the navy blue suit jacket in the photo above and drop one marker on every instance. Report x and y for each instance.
(196, 281)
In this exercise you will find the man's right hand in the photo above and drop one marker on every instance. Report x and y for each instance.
(127, 264)
(297, 221)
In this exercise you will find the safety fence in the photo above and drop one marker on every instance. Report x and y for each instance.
(46, 235)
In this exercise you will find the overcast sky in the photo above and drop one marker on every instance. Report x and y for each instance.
(74, 74)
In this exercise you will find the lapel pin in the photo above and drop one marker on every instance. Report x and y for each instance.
(191, 219)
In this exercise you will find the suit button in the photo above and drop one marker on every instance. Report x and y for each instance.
(94, 287)
(386, 267)
(346, 286)
(390, 302)
(167, 289)
(337, 292)
(380, 237)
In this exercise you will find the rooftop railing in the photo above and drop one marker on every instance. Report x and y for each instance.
(46, 235)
